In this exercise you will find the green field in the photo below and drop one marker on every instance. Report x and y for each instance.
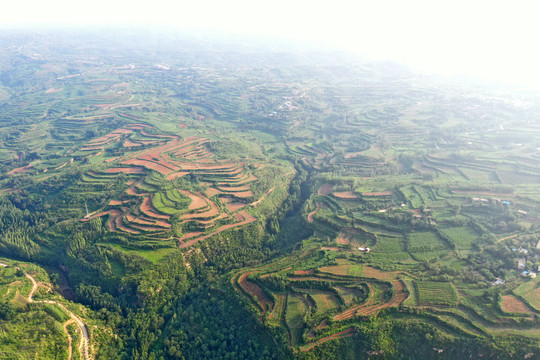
(436, 293)
(426, 246)
(462, 236)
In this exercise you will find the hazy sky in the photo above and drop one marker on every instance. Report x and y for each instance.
(489, 39)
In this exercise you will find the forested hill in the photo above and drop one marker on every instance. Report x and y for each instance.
(186, 198)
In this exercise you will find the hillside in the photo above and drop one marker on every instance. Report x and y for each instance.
(196, 200)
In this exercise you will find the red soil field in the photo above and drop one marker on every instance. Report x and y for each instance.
(243, 194)
(110, 160)
(130, 170)
(148, 210)
(149, 165)
(122, 131)
(182, 126)
(349, 313)
(190, 235)
(145, 228)
(162, 223)
(378, 193)
(132, 191)
(212, 221)
(177, 175)
(512, 304)
(133, 219)
(120, 226)
(197, 202)
(115, 202)
(248, 218)
(304, 272)
(234, 206)
(310, 215)
(53, 90)
(325, 189)
(346, 195)
(345, 333)
(129, 143)
(20, 170)
(234, 189)
(263, 301)
(398, 298)
(157, 158)
(210, 213)
(211, 192)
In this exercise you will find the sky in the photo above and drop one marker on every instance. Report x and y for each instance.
(493, 40)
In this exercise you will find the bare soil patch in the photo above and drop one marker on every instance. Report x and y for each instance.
(512, 304)
(378, 193)
(346, 195)
(325, 189)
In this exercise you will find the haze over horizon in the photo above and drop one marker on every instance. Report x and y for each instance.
(489, 40)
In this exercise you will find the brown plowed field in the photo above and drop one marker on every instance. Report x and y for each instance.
(325, 190)
(512, 304)
(211, 192)
(345, 333)
(263, 301)
(163, 170)
(207, 214)
(368, 271)
(120, 226)
(243, 194)
(212, 221)
(349, 313)
(129, 143)
(235, 189)
(247, 219)
(346, 195)
(158, 159)
(398, 298)
(131, 218)
(132, 191)
(378, 193)
(304, 272)
(130, 170)
(234, 206)
(110, 160)
(197, 202)
(190, 235)
(177, 175)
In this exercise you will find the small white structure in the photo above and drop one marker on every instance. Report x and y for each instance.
(364, 249)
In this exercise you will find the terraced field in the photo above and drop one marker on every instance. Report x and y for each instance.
(143, 210)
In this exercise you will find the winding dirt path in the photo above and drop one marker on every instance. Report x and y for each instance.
(310, 215)
(256, 203)
(70, 340)
(83, 345)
